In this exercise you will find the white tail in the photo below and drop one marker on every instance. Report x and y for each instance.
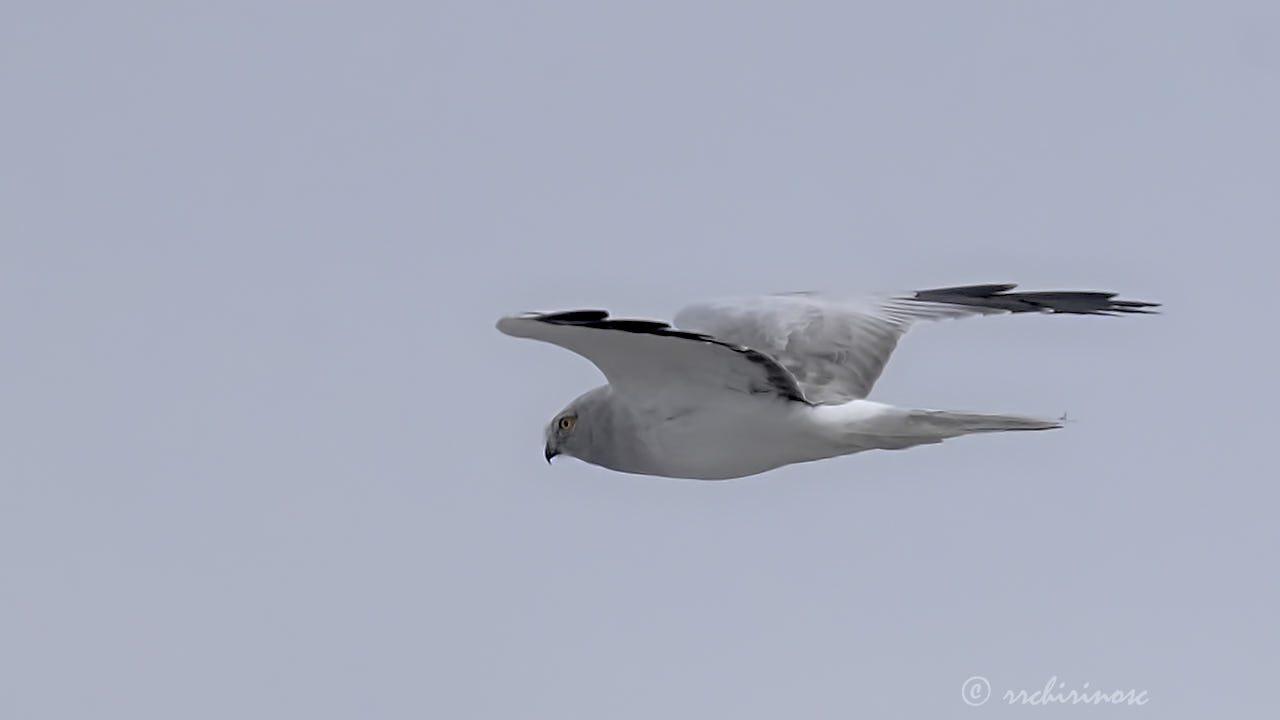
(865, 425)
(950, 424)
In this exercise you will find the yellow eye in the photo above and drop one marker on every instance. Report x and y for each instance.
(566, 422)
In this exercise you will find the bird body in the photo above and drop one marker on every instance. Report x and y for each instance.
(742, 437)
(743, 386)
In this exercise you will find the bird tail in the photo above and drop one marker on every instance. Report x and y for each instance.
(946, 423)
(864, 425)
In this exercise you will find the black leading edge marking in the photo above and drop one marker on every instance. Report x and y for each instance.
(781, 381)
(573, 316)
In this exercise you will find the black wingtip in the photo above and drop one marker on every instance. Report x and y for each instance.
(781, 382)
(574, 316)
(1070, 302)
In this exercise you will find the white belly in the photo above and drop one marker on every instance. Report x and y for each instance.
(742, 439)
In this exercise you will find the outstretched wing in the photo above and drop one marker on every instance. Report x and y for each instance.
(652, 362)
(836, 347)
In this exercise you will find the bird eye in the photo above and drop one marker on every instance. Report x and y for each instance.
(566, 422)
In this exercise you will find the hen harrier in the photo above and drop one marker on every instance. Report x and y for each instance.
(745, 385)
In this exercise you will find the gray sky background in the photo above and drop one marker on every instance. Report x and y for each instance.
(262, 453)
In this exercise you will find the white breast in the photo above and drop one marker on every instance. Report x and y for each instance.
(732, 440)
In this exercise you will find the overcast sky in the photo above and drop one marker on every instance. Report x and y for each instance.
(263, 454)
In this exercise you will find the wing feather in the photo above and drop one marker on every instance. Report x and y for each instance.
(650, 360)
(837, 347)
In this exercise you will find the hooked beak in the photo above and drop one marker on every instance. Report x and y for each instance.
(550, 452)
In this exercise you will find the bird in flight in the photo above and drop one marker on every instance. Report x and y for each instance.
(745, 385)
